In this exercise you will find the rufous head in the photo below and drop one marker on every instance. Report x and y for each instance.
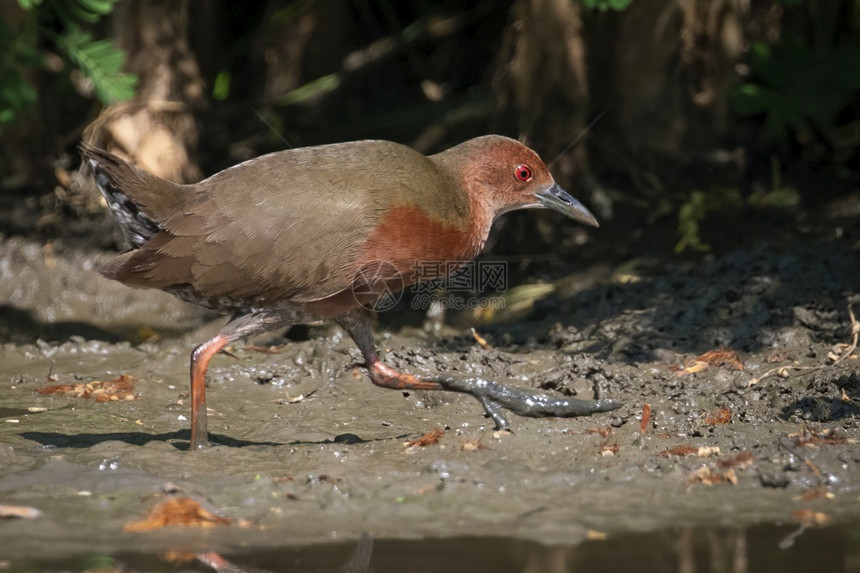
(505, 175)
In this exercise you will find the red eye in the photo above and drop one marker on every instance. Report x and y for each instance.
(523, 173)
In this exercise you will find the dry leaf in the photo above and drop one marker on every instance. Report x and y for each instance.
(427, 439)
(827, 437)
(679, 451)
(603, 432)
(120, 388)
(693, 367)
(722, 358)
(177, 511)
(719, 416)
(646, 417)
(482, 342)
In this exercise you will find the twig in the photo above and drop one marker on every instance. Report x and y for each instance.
(855, 332)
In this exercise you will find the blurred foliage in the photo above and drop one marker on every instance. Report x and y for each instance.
(796, 87)
(604, 5)
(700, 204)
(55, 27)
(693, 212)
(677, 77)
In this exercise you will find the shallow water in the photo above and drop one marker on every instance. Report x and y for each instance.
(677, 549)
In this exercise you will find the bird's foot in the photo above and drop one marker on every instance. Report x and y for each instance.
(494, 397)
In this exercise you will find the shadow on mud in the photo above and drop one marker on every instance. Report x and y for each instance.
(179, 440)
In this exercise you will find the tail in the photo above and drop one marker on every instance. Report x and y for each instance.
(137, 199)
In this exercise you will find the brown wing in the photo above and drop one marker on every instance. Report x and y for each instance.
(286, 226)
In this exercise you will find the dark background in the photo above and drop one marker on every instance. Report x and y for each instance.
(715, 122)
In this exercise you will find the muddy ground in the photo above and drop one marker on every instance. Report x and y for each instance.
(743, 448)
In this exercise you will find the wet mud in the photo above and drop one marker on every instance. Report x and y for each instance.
(739, 426)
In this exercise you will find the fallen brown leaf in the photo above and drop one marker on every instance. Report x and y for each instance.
(603, 432)
(120, 388)
(679, 451)
(177, 511)
(722, 358)
(427, 439)
(692, 367)
(826, 437)
(719, 416)
(646, 417)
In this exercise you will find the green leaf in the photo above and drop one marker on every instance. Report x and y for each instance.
(619, 5)
(604, 5)
(100, 7)
(101, 62)
(221, 87)
(795, 86)
(16, 95)
(28, 5)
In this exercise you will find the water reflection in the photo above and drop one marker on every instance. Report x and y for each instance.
(682, 550)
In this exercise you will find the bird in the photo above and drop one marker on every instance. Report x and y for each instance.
(319, 233)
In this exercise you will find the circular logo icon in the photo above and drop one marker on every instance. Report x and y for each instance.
(377, 286)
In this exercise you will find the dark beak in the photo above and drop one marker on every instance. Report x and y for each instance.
(558, 199)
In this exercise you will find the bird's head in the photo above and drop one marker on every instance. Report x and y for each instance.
(505, 175)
